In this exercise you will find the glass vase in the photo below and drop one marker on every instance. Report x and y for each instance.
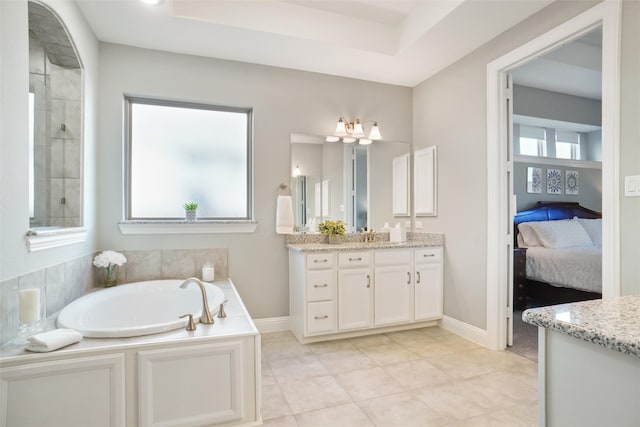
(111, 276)
(335, 239)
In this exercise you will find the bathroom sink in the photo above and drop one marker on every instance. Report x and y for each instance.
(135, 309)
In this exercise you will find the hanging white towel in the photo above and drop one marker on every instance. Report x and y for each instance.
(53, 340)
(284, 215)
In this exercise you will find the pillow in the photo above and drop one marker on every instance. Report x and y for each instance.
(564, 233)
(528, 236)
(593, 227)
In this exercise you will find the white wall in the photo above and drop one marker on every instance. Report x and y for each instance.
(283, 101)
(14, 69)
(449, 110)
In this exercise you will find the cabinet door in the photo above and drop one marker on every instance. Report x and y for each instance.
(354, 299)
(85, 391)
(425, 181)
(392, 295)
(191, 386)
(428, 291)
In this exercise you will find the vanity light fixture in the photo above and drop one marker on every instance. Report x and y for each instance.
(297, 171)
(151, 2)
(354, 131)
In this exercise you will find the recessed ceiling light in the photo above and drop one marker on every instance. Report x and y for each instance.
(151, 2)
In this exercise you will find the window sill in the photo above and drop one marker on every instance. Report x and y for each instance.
(38, 239)
(187, 227)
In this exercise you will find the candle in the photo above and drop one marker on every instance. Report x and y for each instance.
(29, 305)
(208, 273)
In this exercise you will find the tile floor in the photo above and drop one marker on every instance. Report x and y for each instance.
(418, 378)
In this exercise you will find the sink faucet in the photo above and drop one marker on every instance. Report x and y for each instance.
(206, 314)
(369, 236)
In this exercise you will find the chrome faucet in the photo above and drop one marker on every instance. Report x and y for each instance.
(369, 236)
(206, 317)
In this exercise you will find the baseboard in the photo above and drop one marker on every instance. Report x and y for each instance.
(465, 330)
(272, 324)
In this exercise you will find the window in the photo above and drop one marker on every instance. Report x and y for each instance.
(567, 145)
(533, 141)
(180, 152)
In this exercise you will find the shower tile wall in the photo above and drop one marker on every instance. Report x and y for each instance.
(63, 283)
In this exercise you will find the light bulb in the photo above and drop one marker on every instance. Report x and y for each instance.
(297, 171)
(375, 132)
(358, 131)
(341, 129)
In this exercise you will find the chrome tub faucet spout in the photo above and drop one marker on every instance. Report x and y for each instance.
(206, 317)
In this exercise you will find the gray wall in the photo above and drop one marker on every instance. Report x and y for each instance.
(459, 92)
(533, 102)
(630, 147)
(283, 101)
(589, 187)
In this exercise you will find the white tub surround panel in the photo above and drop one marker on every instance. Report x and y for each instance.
(357, 288)
(213, 375)
(589, 362)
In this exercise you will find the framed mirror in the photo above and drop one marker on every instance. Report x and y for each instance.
(350, 182)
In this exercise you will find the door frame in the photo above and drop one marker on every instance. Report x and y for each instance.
(607, 15)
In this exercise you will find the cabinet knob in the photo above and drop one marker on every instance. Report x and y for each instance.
(321, 317)
(324, 285)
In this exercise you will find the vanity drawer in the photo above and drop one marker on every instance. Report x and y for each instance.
(321, 317)
(393, 257)
(320, 261)
(321, 285)
(428, 255)
(353, 259)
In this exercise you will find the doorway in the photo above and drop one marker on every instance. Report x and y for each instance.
(501, 206)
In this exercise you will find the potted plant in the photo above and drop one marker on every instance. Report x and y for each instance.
(190, 211)
(332, 229)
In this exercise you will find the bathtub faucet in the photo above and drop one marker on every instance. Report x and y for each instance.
(206, 317)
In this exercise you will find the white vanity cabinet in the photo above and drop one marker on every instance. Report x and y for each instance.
(393, 286)
(347, 293)
(428, 283)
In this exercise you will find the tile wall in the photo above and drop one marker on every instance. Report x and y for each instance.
(68, 281)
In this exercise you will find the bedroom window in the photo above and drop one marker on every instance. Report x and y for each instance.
(533, 141)
(181, 152)
(567, 145)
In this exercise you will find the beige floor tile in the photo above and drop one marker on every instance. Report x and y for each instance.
(282, 336)
(435, 331)
(460, 365)
(274, 404)
(349, 415)
(268, 378)
(499, 360)
(527, 374)
(286, 421)
(368, 383)
(416, 374)
(283, 349)
(453, 400)
(314, 393)
(402, 410)
(516, 416)
(297, 368)
(388, 354)
(457, 343)
(370, 340)
(345, 361)
(501, 387)
(331, 346)
(429, 348)
(413, 335)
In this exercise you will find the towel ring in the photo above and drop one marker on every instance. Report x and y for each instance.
(284, 190)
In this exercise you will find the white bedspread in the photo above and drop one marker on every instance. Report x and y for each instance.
(579, 267)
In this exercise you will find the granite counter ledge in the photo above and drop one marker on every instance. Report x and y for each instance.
(315, 242)
(611, 323)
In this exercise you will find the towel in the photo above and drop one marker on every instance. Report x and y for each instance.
(284, 215)
(53, 340)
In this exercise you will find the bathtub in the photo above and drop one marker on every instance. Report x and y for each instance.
(139, 308)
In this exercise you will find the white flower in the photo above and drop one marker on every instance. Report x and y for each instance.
(106, 258)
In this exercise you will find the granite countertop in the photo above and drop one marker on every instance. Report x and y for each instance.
(354, 242)
(612, 323)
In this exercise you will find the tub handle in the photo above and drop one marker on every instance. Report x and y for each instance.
(191, 325)
(221, 313)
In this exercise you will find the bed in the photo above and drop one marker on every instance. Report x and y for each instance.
(558, 255)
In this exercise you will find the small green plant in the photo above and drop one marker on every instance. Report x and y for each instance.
(332, 227)
(190, 206)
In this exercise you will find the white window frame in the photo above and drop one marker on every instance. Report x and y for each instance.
(180, 226)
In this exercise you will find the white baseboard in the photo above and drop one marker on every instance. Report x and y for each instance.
(466, 331)
(272, 324)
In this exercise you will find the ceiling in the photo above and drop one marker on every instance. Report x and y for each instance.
(395, 41)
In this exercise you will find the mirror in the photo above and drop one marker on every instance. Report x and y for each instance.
(350, 182)
(55, 123)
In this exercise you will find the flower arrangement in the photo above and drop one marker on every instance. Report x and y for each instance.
(332, 228)
(109, 260)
